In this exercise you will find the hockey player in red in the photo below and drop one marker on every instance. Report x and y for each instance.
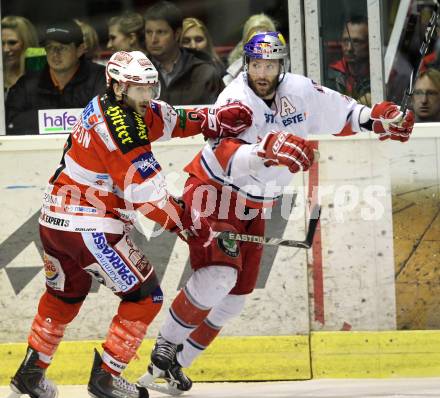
(237, 177)
(107, 173)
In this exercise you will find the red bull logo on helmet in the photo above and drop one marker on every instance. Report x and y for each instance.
(266, 45)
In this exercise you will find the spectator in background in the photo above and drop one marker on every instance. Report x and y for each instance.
(91, 39)
(126, 32)
(351, 74)
(187, 76)
(195, 35)
(255, 23)
(426, 97)
(68, 80)
(18, 34)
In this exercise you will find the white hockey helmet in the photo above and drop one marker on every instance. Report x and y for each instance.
(131, 68)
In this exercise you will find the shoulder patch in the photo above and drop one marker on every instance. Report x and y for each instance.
(155, 106)
(91, 114)
(182, 118)
(228, 246)
(146, 165)
(126, 127)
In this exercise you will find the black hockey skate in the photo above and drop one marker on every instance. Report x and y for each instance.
(103, 384)
(163, 353)
(175, 381)
(30, 379)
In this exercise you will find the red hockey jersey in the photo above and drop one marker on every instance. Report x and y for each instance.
(108, 169)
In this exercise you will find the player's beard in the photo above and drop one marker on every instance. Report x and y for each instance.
(263, 91)
(136, 105)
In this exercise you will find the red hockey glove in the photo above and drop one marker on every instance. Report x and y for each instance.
(226, 121)
(196, 229)
(286, 149)
(389, 122)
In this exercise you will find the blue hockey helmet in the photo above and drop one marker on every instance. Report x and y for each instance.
(266, 45)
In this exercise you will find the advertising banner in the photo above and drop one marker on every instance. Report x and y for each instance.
(373, 265)
(279, 305)
(57, 121)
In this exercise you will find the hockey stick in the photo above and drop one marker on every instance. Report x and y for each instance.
(429, 33)
(302, 244)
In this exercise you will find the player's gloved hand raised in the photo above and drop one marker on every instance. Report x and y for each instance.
(195, 229)
(287, 149)
(225, 121)
(389, 122)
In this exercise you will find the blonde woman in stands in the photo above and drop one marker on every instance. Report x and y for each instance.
(126, 32)
(91, 39)
(255, 23)
(195, 35)
(18, 34)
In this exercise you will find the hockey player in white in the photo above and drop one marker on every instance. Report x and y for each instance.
(286, 108)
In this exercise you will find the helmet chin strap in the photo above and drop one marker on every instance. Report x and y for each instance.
(282, 73)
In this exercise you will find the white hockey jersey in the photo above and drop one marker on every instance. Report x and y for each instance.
(301, 106)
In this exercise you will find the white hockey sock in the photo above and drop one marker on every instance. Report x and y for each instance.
(188, 354)
(205, 288)
(207, 331)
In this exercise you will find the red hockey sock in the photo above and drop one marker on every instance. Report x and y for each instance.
(48, 327)
(197, 342)
(123, 339)
(126, 333)
(204, 335)
(186, 311)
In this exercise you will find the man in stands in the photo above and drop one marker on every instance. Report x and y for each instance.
(426, 96)
(69, 80)
(351, 74)
(188, 77)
